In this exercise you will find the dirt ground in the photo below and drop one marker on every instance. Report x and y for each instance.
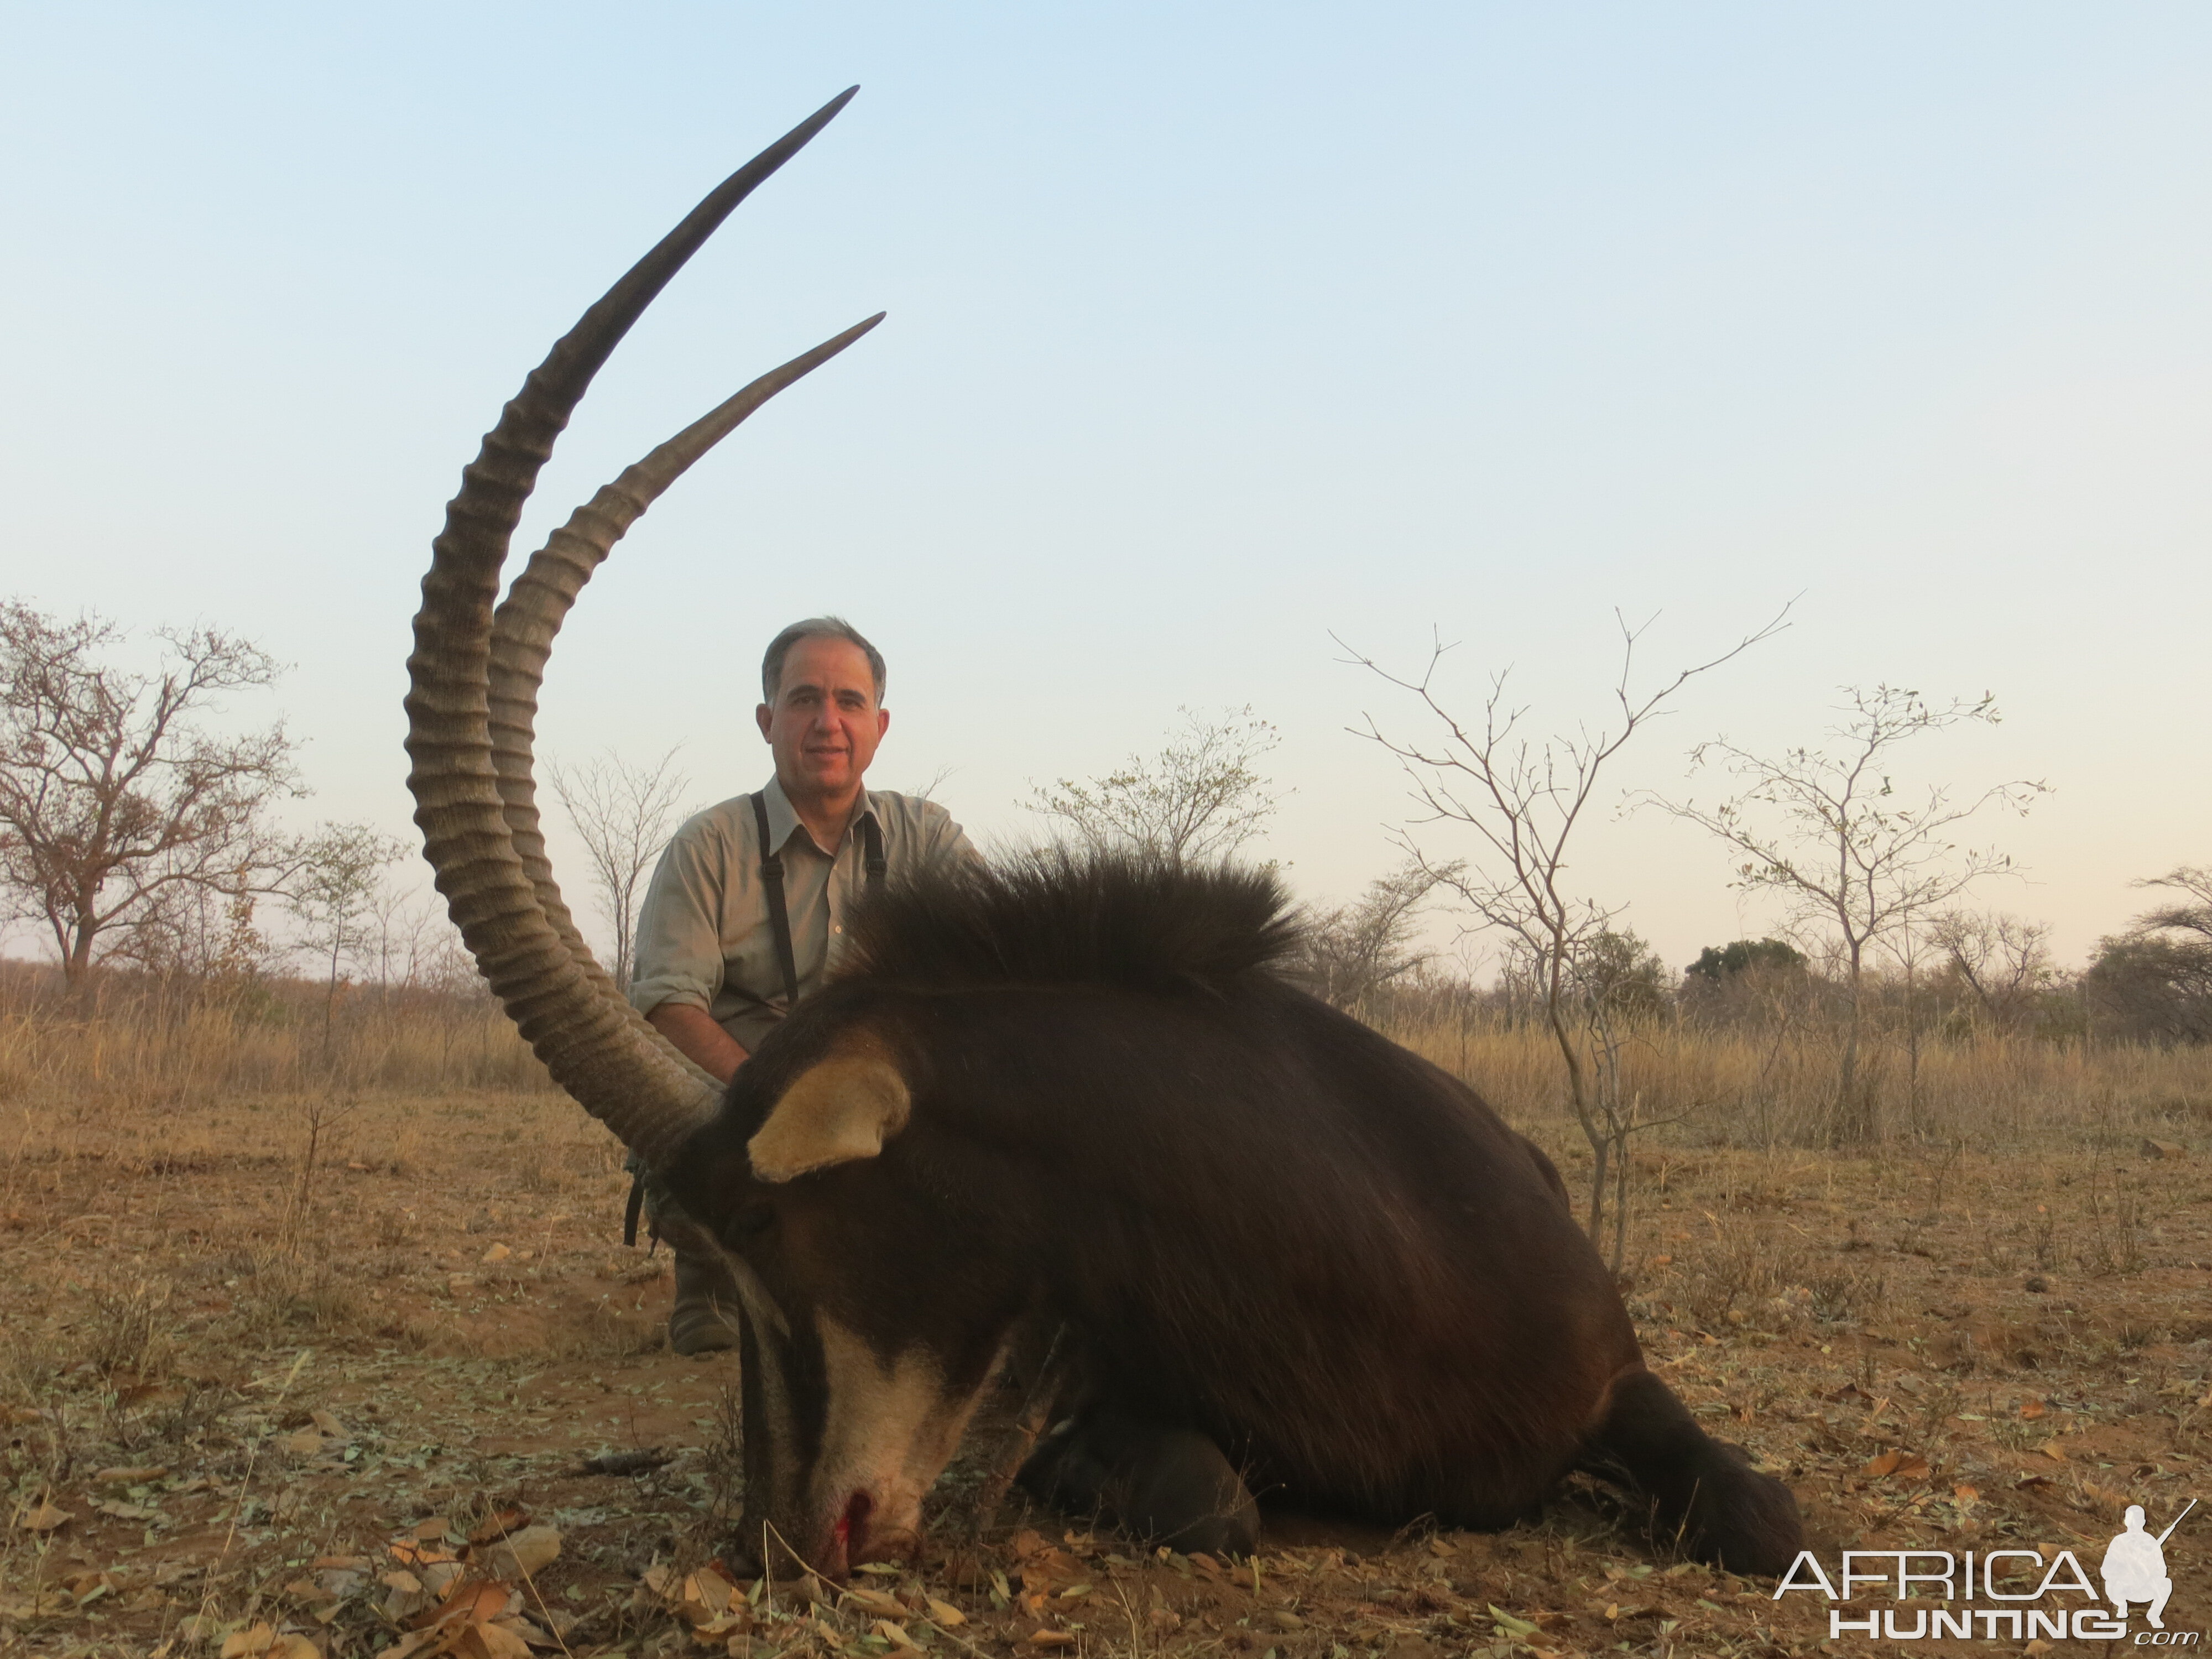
(287, 1378)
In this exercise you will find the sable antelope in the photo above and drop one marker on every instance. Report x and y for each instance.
(1290, 1252)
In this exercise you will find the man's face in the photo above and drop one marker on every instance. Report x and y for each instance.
(824, 726)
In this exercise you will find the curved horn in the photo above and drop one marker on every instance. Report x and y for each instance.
(538, 601)
(473, 803)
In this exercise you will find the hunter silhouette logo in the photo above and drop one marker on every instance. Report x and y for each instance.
(2135, 1566)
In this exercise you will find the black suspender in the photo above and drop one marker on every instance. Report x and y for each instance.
(779, 921)
(778, 917)
(871, 849)
(771, 873)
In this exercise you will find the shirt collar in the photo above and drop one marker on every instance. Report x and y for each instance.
(783, 816)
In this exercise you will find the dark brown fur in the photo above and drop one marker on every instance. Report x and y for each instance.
(1266, 1223)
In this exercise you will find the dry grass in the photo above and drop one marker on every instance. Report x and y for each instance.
(2012, 1303)
(147, 1042)
(1776, 1088)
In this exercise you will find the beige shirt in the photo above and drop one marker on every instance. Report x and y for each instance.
(703, 937)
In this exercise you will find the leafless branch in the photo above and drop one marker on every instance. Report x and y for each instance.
(113, 796)
(1522, 799)
(624, 812)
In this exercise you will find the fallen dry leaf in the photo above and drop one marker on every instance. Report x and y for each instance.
(1051, 1639)
(532, 1633)
(2051, 1448)
(328, 1423)
(497, 1524)
(703, 1600)
(1884, 1463)
(43, 1516)
(522, 1553)
(710, 1588)
(135, 1474)
(497, 1253)
(471, 1600)
(876, 1602)
(303, 1442)
(2032, 1408)
(250, 1643)
(1967, 1496)
(490, 1642)
(945, 1614)
(1508, 1622)
(413, 1644)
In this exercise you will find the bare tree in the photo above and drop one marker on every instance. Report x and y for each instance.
(1353, 949)
(1524, 801)
(112, 794)
(2004, 960)
(337, 877)
(623, 813)
(936, 780)
(1851, 853)
(204, 936)
(1201, 798)
(406, 928)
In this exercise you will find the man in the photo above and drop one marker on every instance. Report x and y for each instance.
(716, 966)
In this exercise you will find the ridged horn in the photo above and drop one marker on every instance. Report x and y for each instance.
(471, 798)
(538, 601)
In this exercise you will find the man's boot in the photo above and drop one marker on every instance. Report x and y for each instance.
(705, 1317)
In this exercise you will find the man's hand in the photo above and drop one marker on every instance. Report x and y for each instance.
(702, 1040)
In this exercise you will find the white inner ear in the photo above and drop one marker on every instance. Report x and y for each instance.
(837, 1112)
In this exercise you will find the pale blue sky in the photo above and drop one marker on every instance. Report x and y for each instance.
(1213, 328)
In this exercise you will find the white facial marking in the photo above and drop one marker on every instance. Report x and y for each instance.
(892, 1430)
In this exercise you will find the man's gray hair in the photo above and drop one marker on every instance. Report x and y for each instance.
(815, 627)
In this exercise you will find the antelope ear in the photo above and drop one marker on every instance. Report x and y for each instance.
(836, 1113)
